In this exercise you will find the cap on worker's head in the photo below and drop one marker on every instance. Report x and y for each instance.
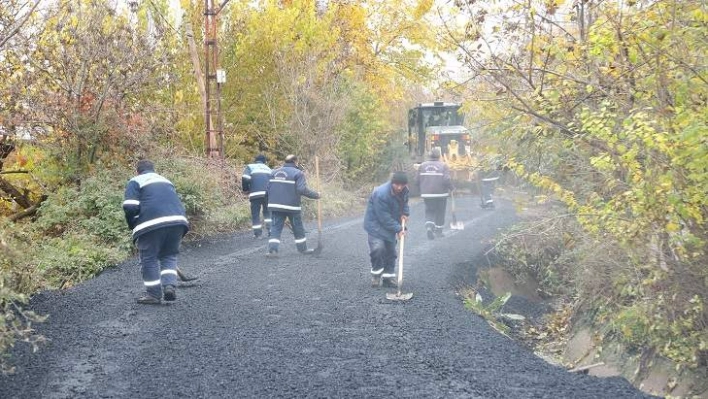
(399, 178)
(260, 158)
(144, 165)
(291, 158)
(435, 153)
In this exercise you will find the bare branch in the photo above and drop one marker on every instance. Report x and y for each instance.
(19, 25)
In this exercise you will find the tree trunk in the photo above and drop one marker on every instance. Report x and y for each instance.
(15, 194)
(27, 212)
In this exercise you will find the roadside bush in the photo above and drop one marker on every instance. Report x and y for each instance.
(222, 219)
(544, 248)
(15, 277)
(100, 203)
(632, 327)
(93, 208)
(628, 295)
(211, 193)
(70, 259)
(335, 201)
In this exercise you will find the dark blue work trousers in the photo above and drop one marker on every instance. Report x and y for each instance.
(383, 257)
(258, 206)
(158, 258)
(277, 229)
(435, 213)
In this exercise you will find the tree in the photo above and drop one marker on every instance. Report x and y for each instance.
(298, 73)
(606, 103)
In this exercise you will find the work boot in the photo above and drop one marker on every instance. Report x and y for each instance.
(439, 233)
(308, 251)
(148, 299)
(431, 235)
(272, 254)
(169, 293)
(389, 282)
(376, 281)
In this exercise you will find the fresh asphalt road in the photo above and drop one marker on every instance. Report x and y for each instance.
(293, 327)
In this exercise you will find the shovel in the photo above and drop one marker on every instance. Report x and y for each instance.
(398, 296)
(185, 277)
(455, 225)
(318, 249)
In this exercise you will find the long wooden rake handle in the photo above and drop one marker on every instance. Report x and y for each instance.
(400, 255)
(319, 190)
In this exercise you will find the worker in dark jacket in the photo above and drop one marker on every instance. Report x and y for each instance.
(157, 218)
(435, 184)
(254, 181)
(385, 211)
(287, 184)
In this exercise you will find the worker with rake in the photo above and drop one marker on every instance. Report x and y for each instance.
(287, 184)
(385, 212)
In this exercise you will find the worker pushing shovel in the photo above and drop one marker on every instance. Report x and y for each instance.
(386, 213)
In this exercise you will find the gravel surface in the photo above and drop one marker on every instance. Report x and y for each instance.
(293, 327)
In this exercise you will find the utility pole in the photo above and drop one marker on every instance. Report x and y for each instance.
(215, 77)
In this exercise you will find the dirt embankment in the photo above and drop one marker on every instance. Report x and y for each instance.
(544, 325)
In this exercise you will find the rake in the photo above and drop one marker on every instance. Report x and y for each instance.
(318, 249)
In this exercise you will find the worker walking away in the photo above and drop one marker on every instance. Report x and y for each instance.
(287, 184)
(254, 182)
(386, 209)
(157, 218)
(435, 184)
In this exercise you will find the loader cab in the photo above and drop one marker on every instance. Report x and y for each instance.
(437, 124)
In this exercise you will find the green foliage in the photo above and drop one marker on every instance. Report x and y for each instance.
(84, 228)
(491, 311)
(681, 337)
(15, 280)
(632, 325)
(606, 115)
(625, 296)
(16, 325)
(305, 82)
(202, 186)
(224, 219)
(74, 258)
(93, 209)
(545, 247)
(335, 201)
(364, 138)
